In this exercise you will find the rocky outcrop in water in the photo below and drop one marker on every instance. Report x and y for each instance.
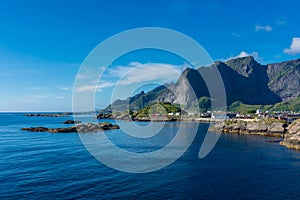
(104, 116)
(274, 129)
(116, 116)
(71, 122)
(48, 114)
(292, 138)
(80, 128)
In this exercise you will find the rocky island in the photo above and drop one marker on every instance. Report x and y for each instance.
(71, 122)
(80, 128)
(66, 114)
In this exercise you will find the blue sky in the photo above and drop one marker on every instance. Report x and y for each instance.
(43, 43)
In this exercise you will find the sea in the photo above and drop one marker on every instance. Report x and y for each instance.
(58, 166)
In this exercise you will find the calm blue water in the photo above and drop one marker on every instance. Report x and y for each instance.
(47, 166)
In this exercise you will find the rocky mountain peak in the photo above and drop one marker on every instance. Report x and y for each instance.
(244, 66)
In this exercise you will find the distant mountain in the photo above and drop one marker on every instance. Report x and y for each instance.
(245, 81)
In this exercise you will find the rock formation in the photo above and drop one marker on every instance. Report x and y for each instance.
(71, 122)
(292, 138)
(80, 128)
(67, 114)
(274, 129)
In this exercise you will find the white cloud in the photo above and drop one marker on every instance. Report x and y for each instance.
(86, 88)
(294, 47)
(89, 72)
(135, 72)
(234, 34)
(65, 88)
(244, 54)
(138, 72)
(263, 28)
(281, 22)
(92, 87)
(80, 76)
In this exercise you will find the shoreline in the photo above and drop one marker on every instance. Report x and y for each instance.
(292, 138)
(290, 134)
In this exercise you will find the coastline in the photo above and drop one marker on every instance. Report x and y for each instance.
(290, 134)
(292, 138)
(264, 128)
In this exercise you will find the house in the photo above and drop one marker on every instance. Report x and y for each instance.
(191, 114)
(258, 111)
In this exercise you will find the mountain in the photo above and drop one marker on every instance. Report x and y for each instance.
(245, 80)
(284, 79)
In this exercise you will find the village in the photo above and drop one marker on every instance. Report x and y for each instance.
(259, 114)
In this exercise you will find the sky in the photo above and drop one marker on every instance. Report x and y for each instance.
(43, 43)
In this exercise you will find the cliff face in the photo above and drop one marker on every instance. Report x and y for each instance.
(244, 79)
(284, 79)
(187, 90)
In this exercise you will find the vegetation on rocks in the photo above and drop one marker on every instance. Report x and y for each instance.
(292, 105)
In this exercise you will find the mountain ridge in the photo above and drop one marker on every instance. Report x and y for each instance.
(245, 80)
